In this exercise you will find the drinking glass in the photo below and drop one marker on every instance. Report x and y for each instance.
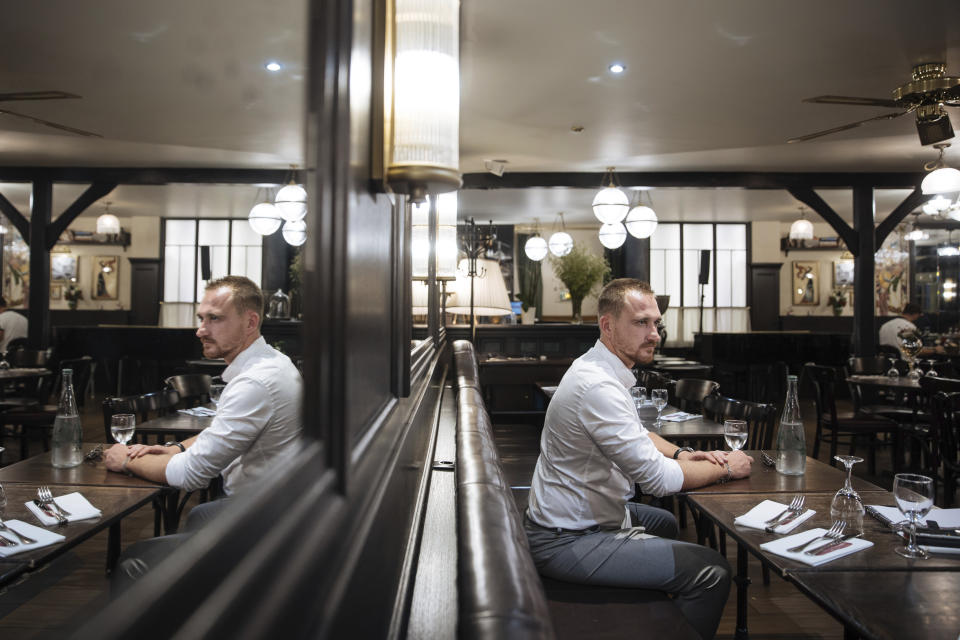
(735, 433)
(910, 346)
(659, 397)
(217, 389)
(914, 496)
(122, 426)
(847, 505)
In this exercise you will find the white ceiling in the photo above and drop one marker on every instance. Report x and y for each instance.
(709, 86)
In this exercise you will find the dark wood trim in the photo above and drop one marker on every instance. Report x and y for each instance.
(746, 179)
(16, 218)
(813, 200)
(864, 326)
(149, 175)
(38, 332)
(896, 216)
(93, 193)
(402, 321)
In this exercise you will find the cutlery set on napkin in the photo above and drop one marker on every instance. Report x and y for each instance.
(199, 412)
(812, 547)
(679, 416)
(17, 536)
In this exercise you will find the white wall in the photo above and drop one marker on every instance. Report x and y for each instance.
(552, 306)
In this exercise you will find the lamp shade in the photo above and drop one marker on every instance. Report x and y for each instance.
(641, 222)
(291, 202)
(938, 204)
(490, 296)
(942, 180)
(560, 244)
(610, 205)
(801, 229)
(613, 235)
(295, 232)
(108, 224)
(536, 248)
(424, 125)
(264, 218)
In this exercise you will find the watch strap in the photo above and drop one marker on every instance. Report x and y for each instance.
(676, 454)
(171, 443)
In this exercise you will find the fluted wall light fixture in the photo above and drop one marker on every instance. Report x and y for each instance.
(422, 97)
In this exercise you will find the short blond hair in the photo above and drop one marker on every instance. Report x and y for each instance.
(246, 295)
(613, 297)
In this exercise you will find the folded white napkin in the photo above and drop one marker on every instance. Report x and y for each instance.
(42, 536)
(757, 517)
(200, 412)
(680, 416)
(779, 547)
(75, 503)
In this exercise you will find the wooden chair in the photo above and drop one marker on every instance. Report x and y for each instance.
(652, 380)
(688, 393)
(194, 388)
(832, 425)
(945, 409)
(760, 418)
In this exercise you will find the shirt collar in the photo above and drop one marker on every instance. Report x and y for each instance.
(621, 371)
(257, 347)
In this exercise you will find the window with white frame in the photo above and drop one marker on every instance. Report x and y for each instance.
(675, 251)
(235, 249)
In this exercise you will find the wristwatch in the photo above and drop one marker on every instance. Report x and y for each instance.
(171, 443)
(676, 454)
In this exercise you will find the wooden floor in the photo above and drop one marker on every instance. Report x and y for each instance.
(54, 601)
(49, 603)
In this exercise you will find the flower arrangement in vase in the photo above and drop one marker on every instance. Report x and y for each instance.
(837, 300)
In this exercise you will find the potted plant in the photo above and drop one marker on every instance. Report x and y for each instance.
(580, 271)
(837, 300)
(73, 295)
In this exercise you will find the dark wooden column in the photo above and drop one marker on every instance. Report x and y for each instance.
(864, 325)
(38, 334)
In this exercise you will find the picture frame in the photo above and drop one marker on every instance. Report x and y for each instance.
(843, 273)
(806, 283)
(56, 292)
(106, 278)
(63, 267)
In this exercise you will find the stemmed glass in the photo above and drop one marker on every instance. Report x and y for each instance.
(122, 426)
(639, 395)
(932, 371)
(735, 433)
(893, 372)
(659, 397)
(914, 496)
(847, 505)
(910, 346)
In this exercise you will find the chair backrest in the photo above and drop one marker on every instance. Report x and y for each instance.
(194, 388)
(945, 410)
(760, 417)
(653, 380)
(82, 369)
(934, 384)
(29, 357)
(824, 381)
(122, 404)
(158, 402)
(690, 392)
(868, 365)
(16, 344)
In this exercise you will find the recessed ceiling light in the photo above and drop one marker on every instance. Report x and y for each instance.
(273, 66)
(616, 67)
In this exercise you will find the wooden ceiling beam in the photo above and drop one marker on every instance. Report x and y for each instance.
(149, 176)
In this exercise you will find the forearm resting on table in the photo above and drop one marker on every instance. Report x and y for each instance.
(700, 473)
(153, 467)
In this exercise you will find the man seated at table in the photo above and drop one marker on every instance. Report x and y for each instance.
(592, 451)
(906, 320)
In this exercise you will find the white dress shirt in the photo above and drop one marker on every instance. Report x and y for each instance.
(593, 449)
(258, 422)
(890, 329)
(14, 326)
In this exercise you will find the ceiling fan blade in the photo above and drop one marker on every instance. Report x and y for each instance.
(852, 125)
(852, 100)
(36, 95)
(55, 125)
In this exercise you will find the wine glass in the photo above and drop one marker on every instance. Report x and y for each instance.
(914, 496)
(735, 433)
(893, 372)
(659, 397)
(932, 371)
(847, 505)
(910, 346)
(122, 426)
(216, 389)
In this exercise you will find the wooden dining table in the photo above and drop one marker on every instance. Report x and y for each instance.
(172, 426)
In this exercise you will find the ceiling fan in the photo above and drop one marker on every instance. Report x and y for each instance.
(927, 93)
(43, 95)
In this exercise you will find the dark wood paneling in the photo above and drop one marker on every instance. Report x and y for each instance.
(144, 291)
(765, 296)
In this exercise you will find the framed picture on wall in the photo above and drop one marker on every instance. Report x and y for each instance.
(106, 277)
(63, 267)
(842, 273)
(56, 292)
(806, 283)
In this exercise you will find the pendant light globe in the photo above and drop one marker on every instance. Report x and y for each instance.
(612, 236)
(610, 205)
(560, 244)
(264, 218)
(641, 222)
(291, 202)
(535, 248)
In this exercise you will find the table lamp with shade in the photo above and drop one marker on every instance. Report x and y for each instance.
(484, 294)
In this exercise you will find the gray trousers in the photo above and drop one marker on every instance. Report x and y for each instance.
(697, 577)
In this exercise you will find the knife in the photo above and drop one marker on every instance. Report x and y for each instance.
(787, 520)
(832, 546)
(50, 512)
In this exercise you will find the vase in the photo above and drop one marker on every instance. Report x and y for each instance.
(577, 304)
(529, 316)
(837, 311)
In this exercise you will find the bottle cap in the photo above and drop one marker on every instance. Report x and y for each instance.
(70, 371)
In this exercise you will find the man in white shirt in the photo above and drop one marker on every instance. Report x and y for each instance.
(12, 325)
(580, 523)
(906, 320)
(258, 416)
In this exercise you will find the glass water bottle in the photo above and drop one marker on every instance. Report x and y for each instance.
(67, 429)
(791, 447)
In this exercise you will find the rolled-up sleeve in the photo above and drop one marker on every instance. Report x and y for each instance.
(242, 414)
(609, 416)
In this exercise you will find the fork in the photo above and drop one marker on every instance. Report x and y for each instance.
(23, 539)
(835, 532)
(795, 505)
(46, 496)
